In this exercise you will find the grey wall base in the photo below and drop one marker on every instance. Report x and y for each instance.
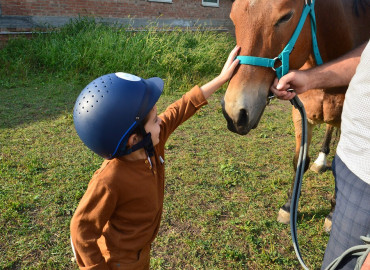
(11, 23)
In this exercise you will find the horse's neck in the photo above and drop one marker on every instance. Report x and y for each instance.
(338, 28)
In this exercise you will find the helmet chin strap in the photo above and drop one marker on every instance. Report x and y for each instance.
(145, 143)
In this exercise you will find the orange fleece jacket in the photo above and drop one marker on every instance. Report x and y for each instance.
(120, 213)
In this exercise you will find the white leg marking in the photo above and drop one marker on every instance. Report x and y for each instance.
(321, 160)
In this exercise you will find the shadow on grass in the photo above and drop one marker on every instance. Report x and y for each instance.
(319, 214)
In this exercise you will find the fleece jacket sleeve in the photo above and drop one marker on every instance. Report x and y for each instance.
(181, 110)
(93, 212)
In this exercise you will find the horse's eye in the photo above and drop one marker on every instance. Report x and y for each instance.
(285, 18)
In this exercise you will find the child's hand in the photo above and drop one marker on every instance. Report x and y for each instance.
(230, 65)
(227, 72)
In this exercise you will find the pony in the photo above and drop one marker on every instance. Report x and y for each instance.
(262, 29)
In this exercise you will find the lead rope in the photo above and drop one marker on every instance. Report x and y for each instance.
(361, 250)
(296, 102)
(281, 71)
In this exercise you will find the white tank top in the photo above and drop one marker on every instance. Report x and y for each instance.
(354, 144)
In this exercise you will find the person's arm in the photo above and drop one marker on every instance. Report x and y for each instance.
(92, 213)
(335, 73)
(181, 110)
(231, 63)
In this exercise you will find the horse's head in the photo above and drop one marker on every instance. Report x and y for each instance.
(262, 28)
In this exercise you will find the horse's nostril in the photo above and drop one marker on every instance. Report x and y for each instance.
(243, 118)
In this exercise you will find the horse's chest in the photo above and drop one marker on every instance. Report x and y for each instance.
(323, 107)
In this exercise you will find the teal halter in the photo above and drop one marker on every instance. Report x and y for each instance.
(283, 57)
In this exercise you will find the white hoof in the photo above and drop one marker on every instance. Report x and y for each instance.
(318, 168)
(283, 216)
(327, 225)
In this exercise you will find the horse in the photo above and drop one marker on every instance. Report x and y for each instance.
(262, 29)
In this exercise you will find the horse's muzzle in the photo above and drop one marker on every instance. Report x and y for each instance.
(241, 126)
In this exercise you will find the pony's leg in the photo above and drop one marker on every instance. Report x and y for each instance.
(284, 212)
(320, 165)
(328, 219)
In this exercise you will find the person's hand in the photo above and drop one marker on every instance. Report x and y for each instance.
(230, 65)
(227, 72)
(366, 265)
(295, 82)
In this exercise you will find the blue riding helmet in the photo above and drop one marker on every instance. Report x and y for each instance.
(111, 107)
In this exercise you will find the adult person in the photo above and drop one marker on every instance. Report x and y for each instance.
(351, 165)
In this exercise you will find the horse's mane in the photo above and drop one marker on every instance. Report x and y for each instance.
(360, 5)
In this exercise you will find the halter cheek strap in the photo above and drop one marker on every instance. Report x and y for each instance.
(283, 57)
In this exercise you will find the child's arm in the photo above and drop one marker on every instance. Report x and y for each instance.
(93, 212)
(209, 88)
(193, 100)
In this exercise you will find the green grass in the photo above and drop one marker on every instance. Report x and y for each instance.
(222, 193)
(85, 49)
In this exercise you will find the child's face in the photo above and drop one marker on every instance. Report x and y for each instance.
(153, 125)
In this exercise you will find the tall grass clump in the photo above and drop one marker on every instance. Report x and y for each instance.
(85, 49)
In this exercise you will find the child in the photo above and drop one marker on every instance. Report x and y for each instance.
(115, 116)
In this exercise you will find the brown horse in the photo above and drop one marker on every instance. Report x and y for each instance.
(263, 28)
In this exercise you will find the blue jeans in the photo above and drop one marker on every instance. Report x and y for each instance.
(351, 218)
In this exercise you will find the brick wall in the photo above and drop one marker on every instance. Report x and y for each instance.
(115, 8)
(186, 10)
(21, 17)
